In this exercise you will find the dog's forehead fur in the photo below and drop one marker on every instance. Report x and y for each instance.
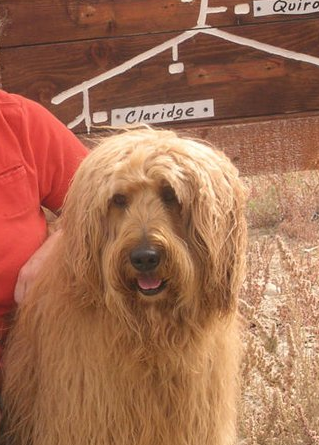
(145, 156)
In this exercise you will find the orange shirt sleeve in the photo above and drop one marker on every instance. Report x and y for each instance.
(56, 151)
(38, 158)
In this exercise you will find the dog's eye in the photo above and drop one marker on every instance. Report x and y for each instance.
(168, 195)
(119, 200)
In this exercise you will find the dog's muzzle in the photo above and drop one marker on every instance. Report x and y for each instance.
(145, 261)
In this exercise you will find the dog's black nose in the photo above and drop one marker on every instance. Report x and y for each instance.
(145, 259)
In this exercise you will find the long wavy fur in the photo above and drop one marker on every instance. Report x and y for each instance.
(92, 361)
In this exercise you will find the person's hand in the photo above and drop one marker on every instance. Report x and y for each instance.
(30, 269)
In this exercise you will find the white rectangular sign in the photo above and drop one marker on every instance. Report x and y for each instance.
(286, 7)
(154, 114)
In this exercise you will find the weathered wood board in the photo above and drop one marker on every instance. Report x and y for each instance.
(47, 21)
(269, 146)
(198, 64)
(274, 146)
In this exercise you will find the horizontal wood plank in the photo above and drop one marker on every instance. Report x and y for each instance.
(47, 21)
(243, 81)
(270, 146)
(264, 147)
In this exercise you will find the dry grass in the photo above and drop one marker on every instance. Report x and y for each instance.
(289, 203)
(280, 304)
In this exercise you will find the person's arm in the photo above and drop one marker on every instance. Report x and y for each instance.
(30, 269)
(57, 152)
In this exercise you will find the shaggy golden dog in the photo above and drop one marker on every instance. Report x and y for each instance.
(130, 335)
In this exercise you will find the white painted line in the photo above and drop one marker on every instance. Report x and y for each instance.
(262, 46)
(217, 10)
(124, 66)
(202, 13)
(175, 53)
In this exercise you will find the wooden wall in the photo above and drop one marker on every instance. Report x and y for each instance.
(83, 59)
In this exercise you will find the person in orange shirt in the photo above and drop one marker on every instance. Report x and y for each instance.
(38, 157)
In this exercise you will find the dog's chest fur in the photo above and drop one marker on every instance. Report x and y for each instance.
(138, 390)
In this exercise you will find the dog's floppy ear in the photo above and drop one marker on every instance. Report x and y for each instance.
(217, 230)
(84, 233)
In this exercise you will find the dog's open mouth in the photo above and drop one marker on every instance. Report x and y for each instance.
(150, 286)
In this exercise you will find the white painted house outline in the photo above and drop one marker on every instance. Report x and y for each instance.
(200, 28)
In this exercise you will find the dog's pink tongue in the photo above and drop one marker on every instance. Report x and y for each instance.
(147, 283)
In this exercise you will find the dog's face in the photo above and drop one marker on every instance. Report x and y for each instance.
(146, 255)
(155, 219)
